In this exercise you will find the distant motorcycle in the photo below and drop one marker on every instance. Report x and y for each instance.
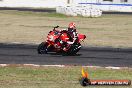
(51, 46)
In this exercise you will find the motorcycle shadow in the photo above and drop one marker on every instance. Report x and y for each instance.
(64, 54)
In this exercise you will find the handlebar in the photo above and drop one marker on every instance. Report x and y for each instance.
(56, 26)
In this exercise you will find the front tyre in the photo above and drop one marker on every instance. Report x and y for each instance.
(42, 48)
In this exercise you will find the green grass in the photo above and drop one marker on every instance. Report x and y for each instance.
(30, 13)
(55, 77)
(33, 27)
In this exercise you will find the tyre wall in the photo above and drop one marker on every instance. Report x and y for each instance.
(85, 11)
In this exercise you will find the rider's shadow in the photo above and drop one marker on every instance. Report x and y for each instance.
(64, 54)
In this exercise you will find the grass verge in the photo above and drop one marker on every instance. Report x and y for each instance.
(33, 27)
(55, 77)
(33, 13)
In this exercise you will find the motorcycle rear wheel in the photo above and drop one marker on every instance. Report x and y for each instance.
(73, 50)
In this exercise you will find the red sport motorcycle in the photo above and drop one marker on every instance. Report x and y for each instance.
(56, 41)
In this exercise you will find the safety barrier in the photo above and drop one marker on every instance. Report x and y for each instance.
(85, 11)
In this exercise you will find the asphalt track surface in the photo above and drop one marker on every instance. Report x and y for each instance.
(91, 56)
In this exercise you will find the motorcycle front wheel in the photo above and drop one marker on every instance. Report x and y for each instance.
(42, 48)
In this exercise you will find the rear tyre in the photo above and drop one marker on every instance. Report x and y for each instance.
(73, 50)
(42, 48)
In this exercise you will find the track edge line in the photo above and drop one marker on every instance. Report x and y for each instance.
(36, 65)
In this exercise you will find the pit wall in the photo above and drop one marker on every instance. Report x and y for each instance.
(116, 5)
(110, 7)
(32, 3)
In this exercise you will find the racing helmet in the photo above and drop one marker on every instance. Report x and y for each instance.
(72, 27)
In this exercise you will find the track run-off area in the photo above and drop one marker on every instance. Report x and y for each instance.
(87, 56)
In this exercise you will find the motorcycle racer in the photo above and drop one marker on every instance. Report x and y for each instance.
(63, 41)
(71, 32)
(73, 35)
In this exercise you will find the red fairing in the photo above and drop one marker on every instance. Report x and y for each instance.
(52, 36)
(64, 37)
(81, 37)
